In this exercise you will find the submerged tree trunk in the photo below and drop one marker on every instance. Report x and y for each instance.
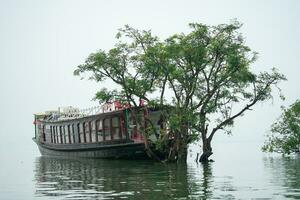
(207, 150)
(177, 146)
(177, 150)
(182, 143)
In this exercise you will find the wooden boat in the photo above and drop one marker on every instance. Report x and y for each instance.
(111, 131)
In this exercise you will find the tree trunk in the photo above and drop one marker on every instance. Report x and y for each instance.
(177, 150)
(207, 150)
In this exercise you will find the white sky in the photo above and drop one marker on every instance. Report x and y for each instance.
(42, 42)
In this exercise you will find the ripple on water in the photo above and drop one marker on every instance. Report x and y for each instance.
(113, 179)
(47, 183)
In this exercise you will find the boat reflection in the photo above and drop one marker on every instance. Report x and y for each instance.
(109, 179)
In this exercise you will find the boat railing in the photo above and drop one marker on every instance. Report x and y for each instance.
(70, 112)
(75, 113)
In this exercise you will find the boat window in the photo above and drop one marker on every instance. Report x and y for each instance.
(81, 133)
(66, 133)
(68, 138)
(58, 135)
(90, 131)
(99, 129)
(73, 133)
(51, 135)
(87, 132)
(116, 128)
(47, 134)
(62, 134)
(62, 141)
(122, 127)
(107, 129)
(132, 126)
(54, 134)
(70, 134)
(93, 131)
(78, 133)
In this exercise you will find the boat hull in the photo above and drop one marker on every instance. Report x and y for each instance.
(114, 151)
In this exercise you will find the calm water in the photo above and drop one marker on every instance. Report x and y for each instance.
(246, 174)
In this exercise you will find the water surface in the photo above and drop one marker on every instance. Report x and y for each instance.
(246, 175)
(240, 171)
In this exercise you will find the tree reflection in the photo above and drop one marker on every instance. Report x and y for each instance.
(286, 171)
(200, 181)
(207, 180)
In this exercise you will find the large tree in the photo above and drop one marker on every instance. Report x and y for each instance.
(201, 80)
(285, 132)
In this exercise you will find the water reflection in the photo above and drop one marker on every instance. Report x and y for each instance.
(118, 179)
(204, 184)
(285, 172)
(109, 179)
(244, 177)
(200, 181)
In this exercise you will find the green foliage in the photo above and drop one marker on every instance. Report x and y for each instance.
(285, 132)
(203, 75)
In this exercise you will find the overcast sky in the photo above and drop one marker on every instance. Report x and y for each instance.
(42, 42)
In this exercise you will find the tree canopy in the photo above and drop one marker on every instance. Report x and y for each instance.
(285, 132)
(204, 75)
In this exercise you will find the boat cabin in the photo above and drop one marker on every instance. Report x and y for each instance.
(111, 126)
